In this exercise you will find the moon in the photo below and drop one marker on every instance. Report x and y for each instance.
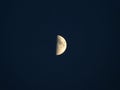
(61, 45)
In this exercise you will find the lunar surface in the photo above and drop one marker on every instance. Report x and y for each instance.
(61, 45)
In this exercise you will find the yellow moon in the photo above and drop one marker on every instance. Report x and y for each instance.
(61, 45)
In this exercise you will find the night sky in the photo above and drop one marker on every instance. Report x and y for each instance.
(28, 43)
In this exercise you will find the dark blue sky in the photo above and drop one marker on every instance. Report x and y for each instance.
(29, 29)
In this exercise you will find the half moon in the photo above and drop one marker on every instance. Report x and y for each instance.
(61, 45)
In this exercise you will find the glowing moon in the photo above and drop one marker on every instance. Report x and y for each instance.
(61, 45)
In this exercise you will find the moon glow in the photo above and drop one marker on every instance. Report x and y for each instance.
(61, 45)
